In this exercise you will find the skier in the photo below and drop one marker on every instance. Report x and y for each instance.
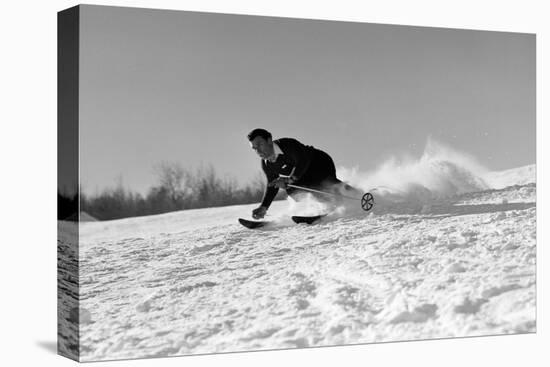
(287, 161)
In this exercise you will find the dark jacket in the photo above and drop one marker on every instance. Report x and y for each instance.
(296, 159)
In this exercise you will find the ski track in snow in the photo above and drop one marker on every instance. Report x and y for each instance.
(461, 267)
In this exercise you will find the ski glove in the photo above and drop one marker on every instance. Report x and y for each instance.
(280, 182)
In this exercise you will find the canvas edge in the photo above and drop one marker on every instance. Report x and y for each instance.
(68, 312)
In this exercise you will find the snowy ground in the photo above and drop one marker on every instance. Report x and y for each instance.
(197, 282)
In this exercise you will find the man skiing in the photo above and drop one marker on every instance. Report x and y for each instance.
(287, 161)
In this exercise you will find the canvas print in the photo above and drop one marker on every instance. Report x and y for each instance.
(232, 183)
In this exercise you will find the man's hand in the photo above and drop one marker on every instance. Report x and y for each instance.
(259, 212)
(281, 182)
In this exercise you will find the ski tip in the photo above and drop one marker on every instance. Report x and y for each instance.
(251, 224)
(307, 219)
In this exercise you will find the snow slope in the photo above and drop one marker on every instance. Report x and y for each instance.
(197, 282)
(517, 176)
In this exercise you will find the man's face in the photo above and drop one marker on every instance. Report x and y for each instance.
(262, 147)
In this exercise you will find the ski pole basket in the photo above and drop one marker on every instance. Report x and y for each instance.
(367, 201)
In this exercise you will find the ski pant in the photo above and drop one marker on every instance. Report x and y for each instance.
(321, 175)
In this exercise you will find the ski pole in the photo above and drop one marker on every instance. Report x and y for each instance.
(321, 192)
(367, 201)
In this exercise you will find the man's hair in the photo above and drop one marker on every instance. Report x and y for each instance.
(258, 132)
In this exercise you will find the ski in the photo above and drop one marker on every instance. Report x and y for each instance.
(307, 219)
(251, 224)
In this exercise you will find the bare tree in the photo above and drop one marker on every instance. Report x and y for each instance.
(174, 179)
(259, 182)
(177, 188)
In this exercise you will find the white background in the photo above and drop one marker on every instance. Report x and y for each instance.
(28, 183)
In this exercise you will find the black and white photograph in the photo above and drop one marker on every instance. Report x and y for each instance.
(234, 183)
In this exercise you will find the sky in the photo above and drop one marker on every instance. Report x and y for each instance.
(185, 87)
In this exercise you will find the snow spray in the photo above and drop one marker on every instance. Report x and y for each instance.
(439, 173)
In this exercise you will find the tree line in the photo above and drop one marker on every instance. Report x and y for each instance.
(177, 188)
